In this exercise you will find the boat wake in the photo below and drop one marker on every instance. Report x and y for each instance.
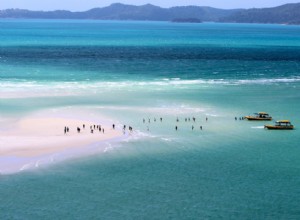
(258, 127)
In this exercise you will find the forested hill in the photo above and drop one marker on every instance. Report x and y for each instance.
(119, 11)
(285, 14)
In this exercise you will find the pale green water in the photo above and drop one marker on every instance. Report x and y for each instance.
(134, 70)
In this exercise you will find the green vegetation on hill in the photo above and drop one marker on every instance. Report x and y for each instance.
(285, 14)
(126, 12)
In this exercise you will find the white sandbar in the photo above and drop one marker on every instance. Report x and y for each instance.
(35, 137)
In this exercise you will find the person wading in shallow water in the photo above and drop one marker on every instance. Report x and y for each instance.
(176, 128)
(65, 130)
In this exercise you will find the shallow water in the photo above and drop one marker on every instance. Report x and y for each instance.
(134, 70)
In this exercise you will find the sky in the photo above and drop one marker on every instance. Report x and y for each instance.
(82, 5)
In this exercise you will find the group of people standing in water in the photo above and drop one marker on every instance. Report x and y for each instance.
(100, 129)
(193, 119)
(94, 128)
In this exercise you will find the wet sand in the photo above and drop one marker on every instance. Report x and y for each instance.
(37, 137)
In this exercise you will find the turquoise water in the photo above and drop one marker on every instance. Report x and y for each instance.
(134, 70)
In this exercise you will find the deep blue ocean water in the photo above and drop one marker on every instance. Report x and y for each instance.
(134, 70)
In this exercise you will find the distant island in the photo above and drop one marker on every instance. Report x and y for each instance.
(284, 14)
(186, 20)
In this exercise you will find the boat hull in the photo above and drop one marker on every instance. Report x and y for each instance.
(273, 127)
(257, 119)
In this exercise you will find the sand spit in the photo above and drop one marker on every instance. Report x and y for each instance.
(37, 137)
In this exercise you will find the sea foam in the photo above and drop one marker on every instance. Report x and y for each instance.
(16, 88)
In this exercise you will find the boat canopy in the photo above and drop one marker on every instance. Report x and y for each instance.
(262, 113)
(283, 121)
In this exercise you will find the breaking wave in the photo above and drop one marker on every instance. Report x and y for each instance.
(25, 88)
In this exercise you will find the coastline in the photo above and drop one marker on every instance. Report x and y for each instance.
(36, 140)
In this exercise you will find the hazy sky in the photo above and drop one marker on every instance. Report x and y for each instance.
(81, 5)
